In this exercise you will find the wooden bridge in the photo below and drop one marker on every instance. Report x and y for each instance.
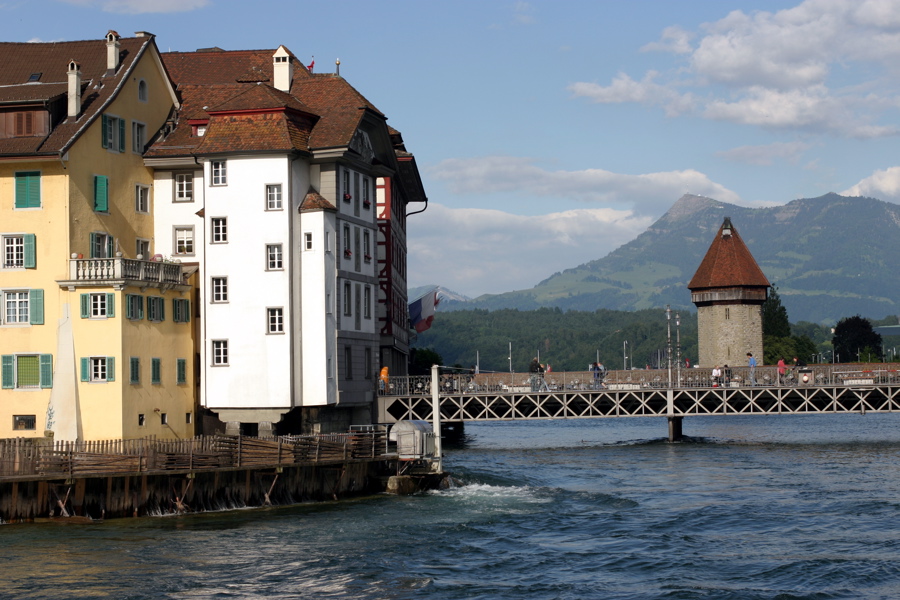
(816, 390)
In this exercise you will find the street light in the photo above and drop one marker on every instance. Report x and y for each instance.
(669, 343)
(678, 347)
(624, 355)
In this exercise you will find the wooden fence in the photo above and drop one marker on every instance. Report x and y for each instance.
(31, 457)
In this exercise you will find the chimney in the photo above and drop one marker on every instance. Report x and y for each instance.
(283, 67)
(112, 51)
(74, 92)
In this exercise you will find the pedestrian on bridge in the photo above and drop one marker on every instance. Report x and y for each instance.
(751, 362)
(781, 370)
(535, 369)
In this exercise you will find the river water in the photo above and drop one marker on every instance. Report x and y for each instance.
(788, 507)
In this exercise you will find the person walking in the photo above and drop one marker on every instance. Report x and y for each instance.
(751, 362)
(534, 370)
(781, 370)
(716, 375)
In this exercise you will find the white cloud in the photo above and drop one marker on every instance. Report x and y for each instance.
(478, 251)
(673, 39)
(823, 66)
(523, 13)
(137, 7)
(884, 185)
(646, 194)
(766, 155)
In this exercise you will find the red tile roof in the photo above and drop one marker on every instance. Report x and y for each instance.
(214, 66)
(51, 60)
(315, 201)
(728, 263)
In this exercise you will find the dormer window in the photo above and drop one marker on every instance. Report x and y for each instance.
(35, 77)
(198, 130)
(281, 59)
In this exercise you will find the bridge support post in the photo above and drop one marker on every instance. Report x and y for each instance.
(675, 434)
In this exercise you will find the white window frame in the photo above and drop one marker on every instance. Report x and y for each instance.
(307, 240)
(185, 234)
(112, 133)
(142, 199)
(98, 369)
(219, 353)
(98, 307)
(183, 187)
(17, 299)
(348, 299)
(14, 245)
(274, 257)
(218, 290)
(218, 172)
(142, 249)
(102, 244)
(218, 230)
(15, 372)
(274, 199)
(275, 320)
(138, 137)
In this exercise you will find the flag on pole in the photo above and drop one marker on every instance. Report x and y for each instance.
(421, 311)
(310, 66)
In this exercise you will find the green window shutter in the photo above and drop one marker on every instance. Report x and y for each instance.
(101, 193)
(28, 189)
(121, 135)
(110, 305)
(186, 310)
(46, 371)
(110, 368)
(93, 245)
(30, 250)
(85, 369)
(176, 310)
(21, 191)
(8, 372)
(155, 368)
(85, 306)
(135, 369)
(182, 371)
(110, 246)
(162, 308)
(104, 131)
(36, 306)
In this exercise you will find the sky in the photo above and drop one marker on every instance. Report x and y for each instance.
(549, 133)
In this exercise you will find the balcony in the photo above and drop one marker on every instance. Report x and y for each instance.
(121, 272)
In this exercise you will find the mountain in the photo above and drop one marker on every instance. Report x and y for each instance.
(444, 294)
(830, 257)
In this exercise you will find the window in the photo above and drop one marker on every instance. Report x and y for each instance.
(348, 301)
(219, 230)
(184, 240)
(138, 137)
(273, 197)
(98, 306)
(134, 307)
(367, 201)
(727, 313)
(356, 194)
(348, 362)
(155, 371)
(347, 252)
(134, 370)
(156, 309)
(142, 421)
(163, 418)
(19, 251)
(181, 372)
(142, 249)
(142, 90)
(28, 189)
(367, 367)
(307, 241)
(188, 418)
(220, 289)
(367, 246)
(346, 186)
(24, 124)
(24, 422)
(113, 133)
(27, 371)
(219, 174)
(220, 352)
(102, 245)
(142, 199)
(181, 310)
(274, 260)
(367, 302)
(23, 307)
(275, 320)
(101, 193)
(184, 187)
(98, 368)
(328, 309)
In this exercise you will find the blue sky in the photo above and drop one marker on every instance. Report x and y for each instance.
(549, 133)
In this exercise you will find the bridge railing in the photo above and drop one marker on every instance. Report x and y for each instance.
(765, 376)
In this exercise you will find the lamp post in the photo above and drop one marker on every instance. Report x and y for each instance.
(669, 343)
(624, 355)
(678, 348)
(510, 357)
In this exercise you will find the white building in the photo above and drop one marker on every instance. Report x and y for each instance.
(266, 179)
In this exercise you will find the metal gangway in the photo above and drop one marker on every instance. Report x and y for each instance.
(819, 389)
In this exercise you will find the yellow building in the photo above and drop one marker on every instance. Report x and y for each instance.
(96, 328)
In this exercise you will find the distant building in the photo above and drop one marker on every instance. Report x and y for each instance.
(729, 290)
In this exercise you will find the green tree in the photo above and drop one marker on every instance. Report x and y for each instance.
(421, 360)
(804, 348)
(774, 316)
(855, 337)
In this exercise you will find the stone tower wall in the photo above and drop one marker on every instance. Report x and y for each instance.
(727, 332)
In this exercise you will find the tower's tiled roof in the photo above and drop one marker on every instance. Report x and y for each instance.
(728, 263)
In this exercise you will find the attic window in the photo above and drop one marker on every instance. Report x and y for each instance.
(726, 232)
(281, 59)
(198, 130)
(34, 77)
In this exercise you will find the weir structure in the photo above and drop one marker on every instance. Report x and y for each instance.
(837, 389)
